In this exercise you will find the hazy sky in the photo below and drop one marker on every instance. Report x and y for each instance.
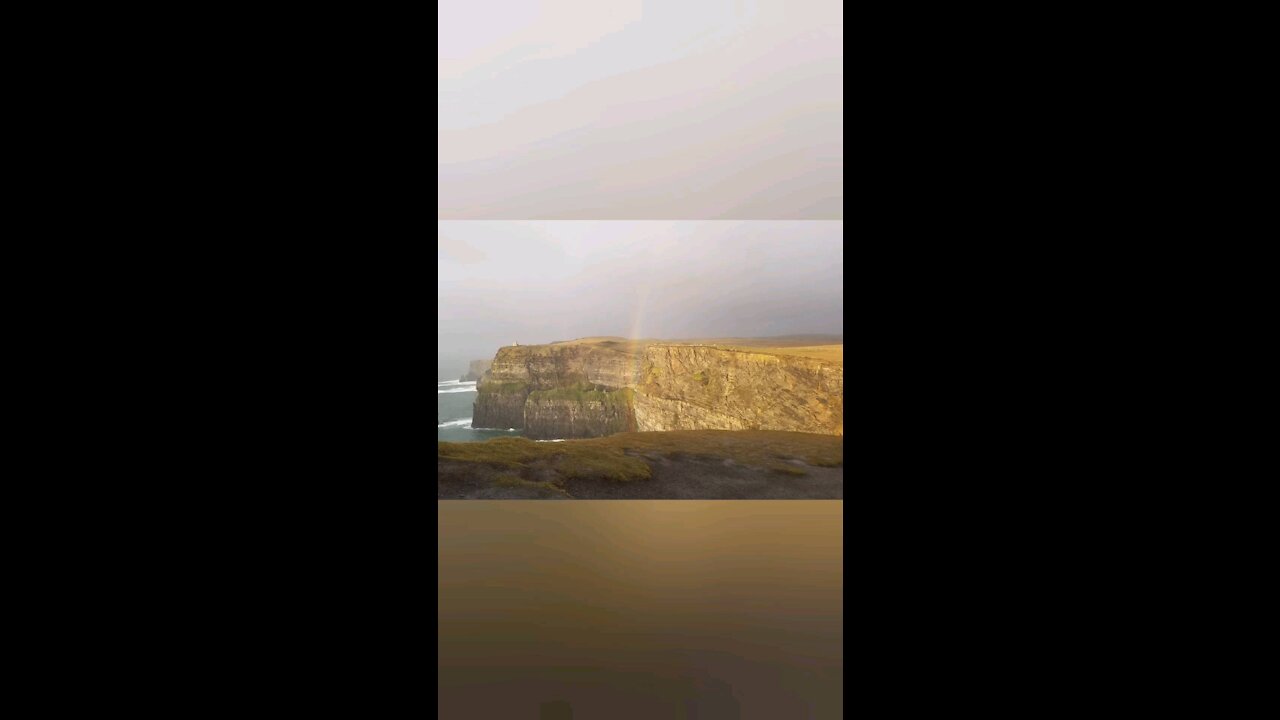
(541, 281)
(580, 109)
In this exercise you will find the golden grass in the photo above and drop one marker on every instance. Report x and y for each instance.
(827, 353)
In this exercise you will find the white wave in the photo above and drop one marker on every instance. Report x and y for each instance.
(466, 425)
(560, 440)
(455, 390)
(451, 383)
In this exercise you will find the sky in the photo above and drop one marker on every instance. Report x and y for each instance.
(533, 282)
(640, 109)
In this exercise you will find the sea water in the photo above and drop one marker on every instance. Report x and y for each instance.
(455, 401)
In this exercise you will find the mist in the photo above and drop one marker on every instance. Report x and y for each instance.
(533, 282)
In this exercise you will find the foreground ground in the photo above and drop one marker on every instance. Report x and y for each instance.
(685, 464)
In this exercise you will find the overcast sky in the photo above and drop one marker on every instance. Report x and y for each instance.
(541, 281)
(580, 109)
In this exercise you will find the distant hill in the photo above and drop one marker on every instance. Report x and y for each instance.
(476, 370)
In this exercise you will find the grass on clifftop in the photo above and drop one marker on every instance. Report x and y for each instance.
(618, 458)
(564, 460)
(817, 347)
(825, 353)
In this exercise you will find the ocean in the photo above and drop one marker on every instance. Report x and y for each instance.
(454, 403)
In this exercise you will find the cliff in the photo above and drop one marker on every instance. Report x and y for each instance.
(499, 405)
(585, 389)
(578, 413)
(608, 363)
(559, 390)
(476, 370)
(708, 388)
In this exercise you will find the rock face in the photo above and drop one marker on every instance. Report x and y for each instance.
(499, 406)
(570, 390)
(546, 418)
(691, 387)
(545, 367)
(476, 370)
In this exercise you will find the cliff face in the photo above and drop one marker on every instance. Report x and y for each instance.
(593, 415)
(475, 370)
(560, 391)
(690, 387)
(499, 405)
(579, 390)
(544, 367)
